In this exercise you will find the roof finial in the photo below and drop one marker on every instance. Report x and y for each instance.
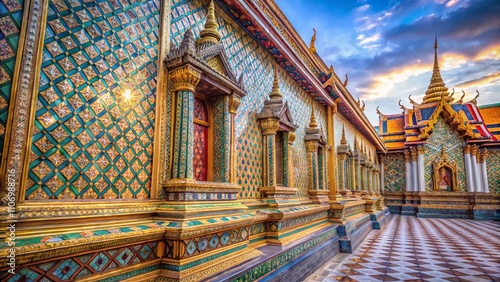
(343, 141)
(437, 90)
(275, 92)
(209, 33)
(312, 48)
(313, 123)
(436, 64)
(346, 80)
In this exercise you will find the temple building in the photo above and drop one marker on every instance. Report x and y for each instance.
(443, 155)
(175, 141)
(192, 140)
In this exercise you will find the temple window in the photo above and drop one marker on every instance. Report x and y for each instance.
(202, 138)
(206, 96)
(279, 146)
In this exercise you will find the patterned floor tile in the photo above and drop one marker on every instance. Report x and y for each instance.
(421, 249)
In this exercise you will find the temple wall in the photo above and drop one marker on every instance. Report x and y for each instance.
(394, 173)
(91, 139)
(350, 132)
(443, 135)
(493, 165)
(11, 13)
(247, 57)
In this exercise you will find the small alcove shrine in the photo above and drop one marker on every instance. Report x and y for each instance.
(205, 98)
(445, 173)
(278, 134)
(316, 162)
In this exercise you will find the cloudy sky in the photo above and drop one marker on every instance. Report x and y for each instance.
(387, 46)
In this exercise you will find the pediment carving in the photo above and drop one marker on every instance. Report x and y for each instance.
(209, 58)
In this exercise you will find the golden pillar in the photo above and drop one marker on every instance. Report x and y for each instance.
(269, 128)
(184, 81)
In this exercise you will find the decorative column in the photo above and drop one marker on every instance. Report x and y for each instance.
(414, 158)
(469, 178)
(382, 173)
(269, 128)
(313, 140)
(184, 81)
(234, 103)
(367, 177)
(362, 175)
(478, 170)
(370, 175)
(312, 163)
(342, 156)
(333, 194)
(420, 164)
(484, 171)
(475, 173)
(289, 179)
(357, 172)
(409, 185)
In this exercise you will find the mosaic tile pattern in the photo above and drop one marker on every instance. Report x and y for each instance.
(492, 165)
(69, 269)
(421, 249)
(443, 135)
(222, 139)
(395, 173)
(93, 138)
(210, 242)
(246, 56)
(11, 13)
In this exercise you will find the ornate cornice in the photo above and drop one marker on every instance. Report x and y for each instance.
(407, 155)
(467, 149)
(184, 78)
(269, 125)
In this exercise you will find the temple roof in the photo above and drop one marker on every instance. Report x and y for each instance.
(415, 125)
(491, 118)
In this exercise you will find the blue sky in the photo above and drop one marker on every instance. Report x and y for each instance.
(387, 46)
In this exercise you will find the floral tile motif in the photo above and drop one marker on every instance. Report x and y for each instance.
(11, 13)
(492, 164)
(394, 171)
(93, 136)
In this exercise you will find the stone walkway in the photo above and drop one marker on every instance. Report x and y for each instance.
(421, 249)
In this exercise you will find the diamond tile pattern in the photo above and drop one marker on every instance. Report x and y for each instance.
(395, 172)
(68, 269)
(11, 13)
(422, 249)
(91, 139)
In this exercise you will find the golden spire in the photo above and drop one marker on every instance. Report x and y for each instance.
(275, 92)
(343, 141)
(313, 123)
(312, 48)
(437, 89)
(210, 33)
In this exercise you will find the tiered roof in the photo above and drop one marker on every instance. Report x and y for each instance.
(414, 126)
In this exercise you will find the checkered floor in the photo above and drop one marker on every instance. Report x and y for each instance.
(420, 249)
